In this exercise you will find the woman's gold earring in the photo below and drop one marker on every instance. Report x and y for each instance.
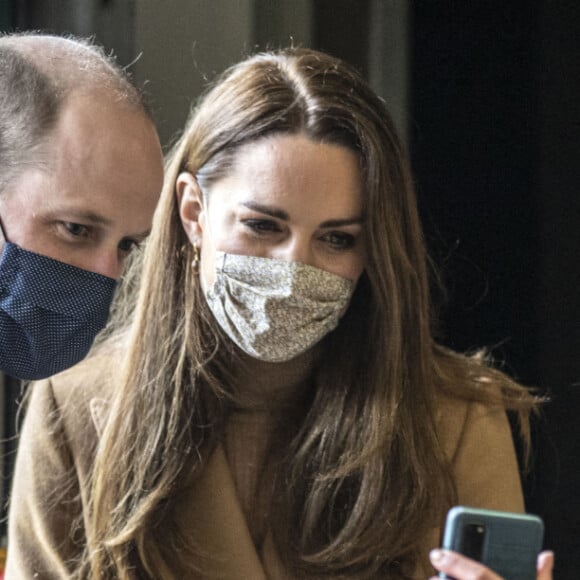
(195, 261)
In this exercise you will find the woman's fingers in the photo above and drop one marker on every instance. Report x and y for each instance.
(461, 567)
(545, 565)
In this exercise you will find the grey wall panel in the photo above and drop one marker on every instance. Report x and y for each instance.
(182, 44)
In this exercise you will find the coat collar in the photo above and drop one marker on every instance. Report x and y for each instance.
(209, 513)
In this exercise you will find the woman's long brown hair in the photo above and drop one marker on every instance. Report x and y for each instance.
(364, 476)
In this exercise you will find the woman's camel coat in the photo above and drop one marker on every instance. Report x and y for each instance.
(50, 489)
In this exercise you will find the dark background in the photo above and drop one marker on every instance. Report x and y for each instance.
(496, 153)
(494, 134)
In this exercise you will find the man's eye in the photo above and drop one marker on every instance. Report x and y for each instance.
(127, 244)
(76, 230)
(340, 240)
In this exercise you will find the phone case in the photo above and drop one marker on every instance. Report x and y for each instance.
(507, 543)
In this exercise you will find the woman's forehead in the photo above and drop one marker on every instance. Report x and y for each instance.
(295, 171)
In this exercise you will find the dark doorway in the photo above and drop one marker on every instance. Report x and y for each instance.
(495, 139)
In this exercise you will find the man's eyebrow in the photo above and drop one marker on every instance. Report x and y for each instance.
(83, 215)
(87, 216)
(140, 236)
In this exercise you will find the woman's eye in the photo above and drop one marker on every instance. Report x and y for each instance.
(127, 244)
(340, 240)
(261, 226)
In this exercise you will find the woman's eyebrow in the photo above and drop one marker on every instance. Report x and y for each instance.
(268, 210)
(283, 215)
(342, 222)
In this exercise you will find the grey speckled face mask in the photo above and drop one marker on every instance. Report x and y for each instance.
(275, 310)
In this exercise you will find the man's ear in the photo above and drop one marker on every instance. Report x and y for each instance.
(191, 207)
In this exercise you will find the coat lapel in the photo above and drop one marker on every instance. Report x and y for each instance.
(210, 514)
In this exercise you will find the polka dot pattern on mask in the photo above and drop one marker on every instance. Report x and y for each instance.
(50, 312)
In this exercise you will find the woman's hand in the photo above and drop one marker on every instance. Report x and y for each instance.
(545, 565)
(462, 568)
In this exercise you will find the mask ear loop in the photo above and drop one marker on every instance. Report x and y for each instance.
(3, 239)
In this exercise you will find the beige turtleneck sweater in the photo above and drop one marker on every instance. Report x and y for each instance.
(268, 393)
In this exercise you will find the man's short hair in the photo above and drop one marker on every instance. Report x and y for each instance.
(37, 75)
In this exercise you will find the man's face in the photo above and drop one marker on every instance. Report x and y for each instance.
(94, 201)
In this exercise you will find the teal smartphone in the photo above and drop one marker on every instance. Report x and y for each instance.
(507, 543)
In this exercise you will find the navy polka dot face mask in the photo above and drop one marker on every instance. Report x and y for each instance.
(50, 312)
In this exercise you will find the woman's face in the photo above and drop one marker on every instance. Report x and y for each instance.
(288, 198)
